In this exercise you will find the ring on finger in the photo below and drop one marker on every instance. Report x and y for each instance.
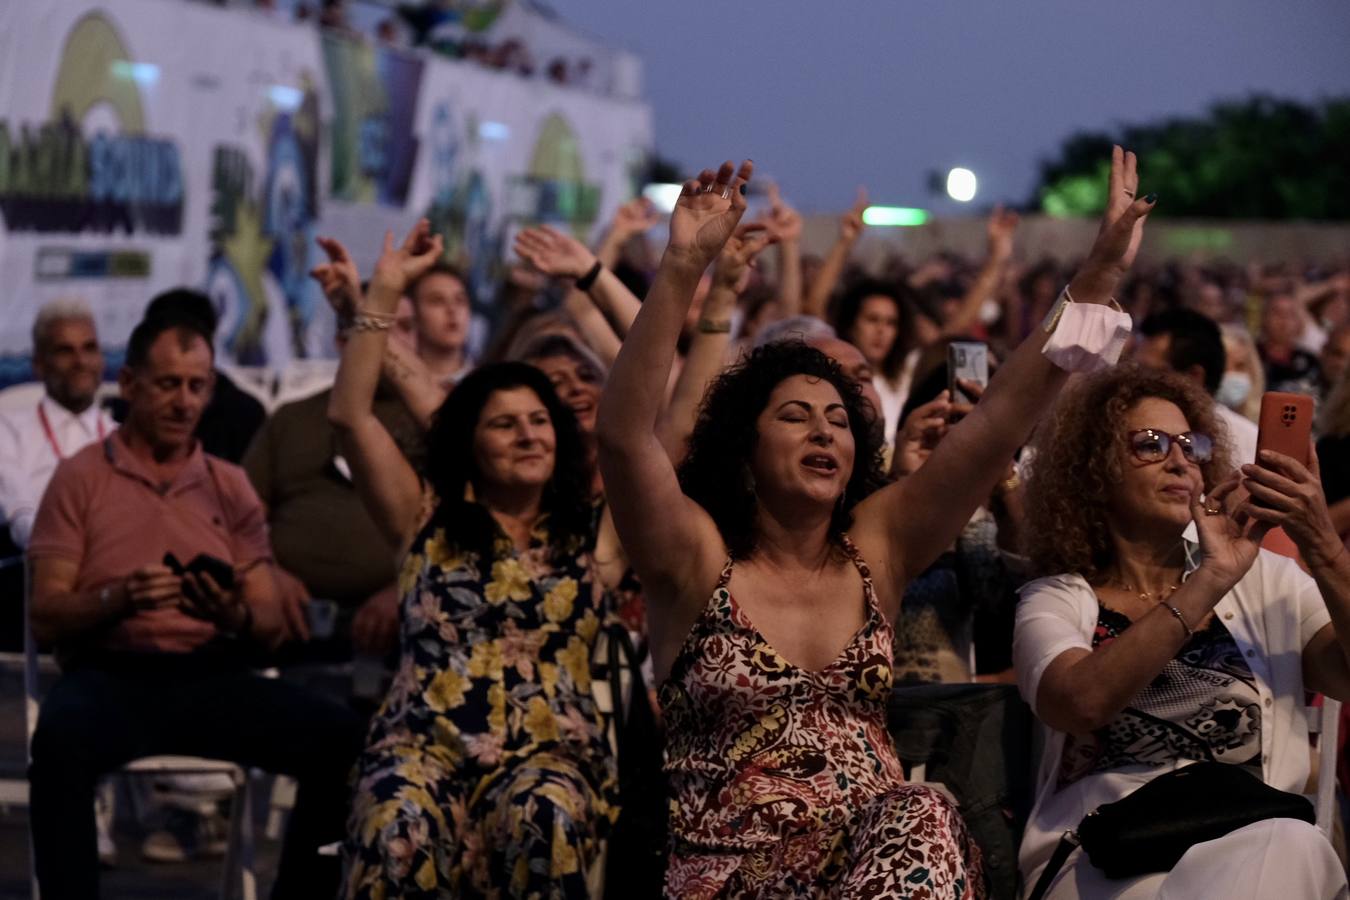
(1212, 510)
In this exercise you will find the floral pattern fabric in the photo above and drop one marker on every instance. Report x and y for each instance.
(486, 772)
(785, 781)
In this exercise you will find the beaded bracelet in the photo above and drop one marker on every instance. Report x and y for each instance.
(364, 322)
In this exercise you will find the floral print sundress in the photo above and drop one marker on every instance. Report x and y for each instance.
(486, 772)
(785, 782)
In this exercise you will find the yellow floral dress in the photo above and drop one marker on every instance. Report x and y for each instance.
(486, 772)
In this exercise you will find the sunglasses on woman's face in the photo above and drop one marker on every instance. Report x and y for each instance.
(1151, 445)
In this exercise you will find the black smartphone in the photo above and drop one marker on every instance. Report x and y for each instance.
(220, 571)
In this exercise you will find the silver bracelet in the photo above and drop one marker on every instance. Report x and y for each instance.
(1180, 618)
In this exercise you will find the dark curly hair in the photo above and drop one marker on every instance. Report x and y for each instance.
(1080, 448)
(850, 306)
(715, 473)
(451, 467)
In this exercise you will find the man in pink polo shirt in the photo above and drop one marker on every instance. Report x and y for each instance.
(154, 661)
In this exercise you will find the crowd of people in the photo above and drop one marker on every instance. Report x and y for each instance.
(753, 465)
(449, 29)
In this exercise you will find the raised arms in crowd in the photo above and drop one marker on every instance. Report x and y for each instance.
(604, 309)
(679, 555)
(832, 268)
(401, 367)
(708, 350)
(388, 484)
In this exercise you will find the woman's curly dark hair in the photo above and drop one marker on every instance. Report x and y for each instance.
(716, 471)
(451, 467)
(850, 307)
(1079, 453)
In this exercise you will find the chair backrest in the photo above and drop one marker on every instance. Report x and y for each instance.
(1325, 721)
(30, 665)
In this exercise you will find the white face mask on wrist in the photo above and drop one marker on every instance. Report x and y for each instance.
(1085, 337)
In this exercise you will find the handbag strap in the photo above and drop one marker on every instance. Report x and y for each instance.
(1068, 842)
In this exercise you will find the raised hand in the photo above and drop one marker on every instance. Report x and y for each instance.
(1289, 495)
(851, 223)
(732, 269)
(1229, 537)
(554, 253)
(1122, 229)
(707, 213)
(633, 218)
(1001, 227)
(399, 266)
(921, 431)
(338, 278)
(783, 222)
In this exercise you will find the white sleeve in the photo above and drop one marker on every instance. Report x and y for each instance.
(17, 503)
(1049, 622)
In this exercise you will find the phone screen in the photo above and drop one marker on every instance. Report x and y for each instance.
(966, 361)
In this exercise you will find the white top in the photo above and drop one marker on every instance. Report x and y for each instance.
(28, 456)
(1271, 613)
(893, 396)
(1242, 431)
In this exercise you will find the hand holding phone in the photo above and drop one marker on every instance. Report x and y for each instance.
(200, 603)
(967, 361)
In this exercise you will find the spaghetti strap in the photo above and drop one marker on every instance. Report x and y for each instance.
(869, 591)
(725, 578)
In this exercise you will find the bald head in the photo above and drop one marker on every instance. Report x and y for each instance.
(853, 364)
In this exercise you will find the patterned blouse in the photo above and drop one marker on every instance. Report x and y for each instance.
(1203, 706)
(785, 781)
(496, 661)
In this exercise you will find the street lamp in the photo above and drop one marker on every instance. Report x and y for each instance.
(961, 185)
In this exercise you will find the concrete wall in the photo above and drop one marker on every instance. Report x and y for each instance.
(1069, 239)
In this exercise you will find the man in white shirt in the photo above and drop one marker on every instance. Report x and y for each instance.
(1191, 345)
(33, 439)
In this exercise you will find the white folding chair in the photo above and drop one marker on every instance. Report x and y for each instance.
(239, 878)
(1325, 721)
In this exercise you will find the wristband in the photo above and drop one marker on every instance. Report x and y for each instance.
(585, 281)
(712, 326)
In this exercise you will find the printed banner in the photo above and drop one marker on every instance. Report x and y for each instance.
(146, 144)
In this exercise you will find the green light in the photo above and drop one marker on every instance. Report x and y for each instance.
(902, 216)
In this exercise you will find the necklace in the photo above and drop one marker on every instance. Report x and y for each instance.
(1148, 596)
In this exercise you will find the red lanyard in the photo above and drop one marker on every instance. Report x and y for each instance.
(51, 437)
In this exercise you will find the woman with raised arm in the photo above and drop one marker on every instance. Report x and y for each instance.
(486, 772)
(773, 572)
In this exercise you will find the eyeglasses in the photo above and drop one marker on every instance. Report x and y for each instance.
(1150, 445)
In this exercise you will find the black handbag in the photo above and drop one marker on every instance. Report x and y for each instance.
(635, 859)
(1153, 827)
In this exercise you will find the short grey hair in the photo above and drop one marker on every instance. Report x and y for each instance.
(795, 328)
(63, 309)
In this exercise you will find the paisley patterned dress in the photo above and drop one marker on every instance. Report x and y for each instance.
(785, 781)
(486, 773)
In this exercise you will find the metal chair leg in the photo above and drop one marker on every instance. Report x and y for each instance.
(239, 878)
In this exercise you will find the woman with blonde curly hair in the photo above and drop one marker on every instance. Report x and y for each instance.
(1143, 652)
